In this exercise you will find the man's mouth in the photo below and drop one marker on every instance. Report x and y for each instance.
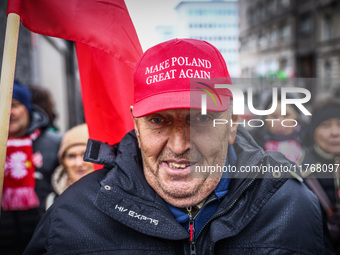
(177, 165)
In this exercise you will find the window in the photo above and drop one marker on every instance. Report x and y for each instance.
(261, 12)
(251, 16)
(262, 40)
(271, 6)
(285, 32)
(328, 69)
(306, 25)
(327, 27)
(283, 64)
(273, 35)
(285, 3)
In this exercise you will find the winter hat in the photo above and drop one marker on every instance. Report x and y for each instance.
(174, 74)
(269, 102)
(75, 136)
(325, 111)
(22, 94)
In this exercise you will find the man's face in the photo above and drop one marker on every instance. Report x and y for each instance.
(327, 136)
(172, 142)
(19, 119)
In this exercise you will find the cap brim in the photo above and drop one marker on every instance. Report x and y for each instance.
(178, 100)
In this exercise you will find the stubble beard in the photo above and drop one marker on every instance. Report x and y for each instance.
(180, 197)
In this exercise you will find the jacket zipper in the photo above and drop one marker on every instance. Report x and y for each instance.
(191, 219)
(231, 206)
(191, 232)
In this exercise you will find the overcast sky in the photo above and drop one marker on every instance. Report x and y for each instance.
(147, 14)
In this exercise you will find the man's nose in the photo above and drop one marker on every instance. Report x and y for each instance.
(179, 140)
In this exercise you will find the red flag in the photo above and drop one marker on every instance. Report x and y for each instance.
(107, 94)
(107, 50)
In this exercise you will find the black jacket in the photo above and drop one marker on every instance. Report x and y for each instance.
(314, 155)
(115, 211)
(47, 144)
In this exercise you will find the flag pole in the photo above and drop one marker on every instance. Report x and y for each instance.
(6, 86)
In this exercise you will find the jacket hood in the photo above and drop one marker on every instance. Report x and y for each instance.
(38, 119)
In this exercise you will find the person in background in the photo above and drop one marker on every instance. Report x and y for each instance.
(72, 166)
(321, 164)
(286, 138)
(155, 194)
(32, 155)
(42, 98)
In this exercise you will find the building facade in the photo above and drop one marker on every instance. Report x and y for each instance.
(215, 22)
(292, 39)
(266, 38)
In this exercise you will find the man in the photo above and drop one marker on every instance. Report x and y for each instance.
(147, 201)
(30, 160)
(321, 163)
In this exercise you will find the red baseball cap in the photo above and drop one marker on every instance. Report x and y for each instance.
(174, 74)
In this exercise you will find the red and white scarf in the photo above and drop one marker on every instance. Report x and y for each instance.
(19, 182)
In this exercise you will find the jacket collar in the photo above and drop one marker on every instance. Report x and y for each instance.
(59, 179)
(322, 153)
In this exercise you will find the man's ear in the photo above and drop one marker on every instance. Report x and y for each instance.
(135, 122)
(233, 129)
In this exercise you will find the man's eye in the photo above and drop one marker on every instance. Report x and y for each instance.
(199, 120)
(156, 120)
(202, 118)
